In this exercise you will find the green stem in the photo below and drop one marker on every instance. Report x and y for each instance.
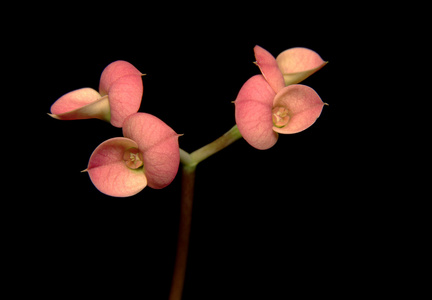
(208, 150)
(189, 163)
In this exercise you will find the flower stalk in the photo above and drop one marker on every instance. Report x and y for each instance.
(187, 191)
(189, 163)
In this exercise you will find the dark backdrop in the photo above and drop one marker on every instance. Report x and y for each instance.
(266, 223)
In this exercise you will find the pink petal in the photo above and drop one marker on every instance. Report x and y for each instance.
(269, 68)
(297, 64)
(253, 113)
(114, 71)
(83, 103)
(125, 96)
(159, 145)
(303, 104)
(108, 170)
(74, 100)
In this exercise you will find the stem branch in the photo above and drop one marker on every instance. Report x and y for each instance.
(227, 139)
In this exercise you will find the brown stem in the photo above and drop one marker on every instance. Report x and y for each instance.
(188, 181)
(189, 163)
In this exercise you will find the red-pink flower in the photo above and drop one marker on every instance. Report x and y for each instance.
(148, 154)
(120, 93)
(273, 103)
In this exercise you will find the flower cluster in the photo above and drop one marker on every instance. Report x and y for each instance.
(149, 153)
(273, 102)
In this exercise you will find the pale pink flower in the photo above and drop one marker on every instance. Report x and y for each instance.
(265, 106)
(148, 154)
(120, 94)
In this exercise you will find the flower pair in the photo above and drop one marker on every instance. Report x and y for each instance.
(148, 154)
(273, 102)
(120, 93)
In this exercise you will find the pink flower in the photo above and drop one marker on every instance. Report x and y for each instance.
(148, 154)
(120, 93)
(265, 106)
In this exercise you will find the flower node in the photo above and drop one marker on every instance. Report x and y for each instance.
(133, 158)
(280, 116)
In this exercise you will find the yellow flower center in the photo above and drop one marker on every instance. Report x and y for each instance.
(280, 116)
(133, 158)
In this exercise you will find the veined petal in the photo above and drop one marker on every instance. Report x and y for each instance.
(109, 172)
(125, 96)
(114, 71)
(269, 68)
(253, 113)
(159, 145)
(83, 103)
(297, 64)
(303, 105)
(74, 100)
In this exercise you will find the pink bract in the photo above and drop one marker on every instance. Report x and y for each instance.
(125, 98)
(109, 173)
(121, 91)
(159, 145)
(266, 107)
(148, 155)
(83, 103)
(303, 104)
(113, 72)
(253, 113)
(296, 64)
(269, 68)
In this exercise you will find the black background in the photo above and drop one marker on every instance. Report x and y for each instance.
(266, 224)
